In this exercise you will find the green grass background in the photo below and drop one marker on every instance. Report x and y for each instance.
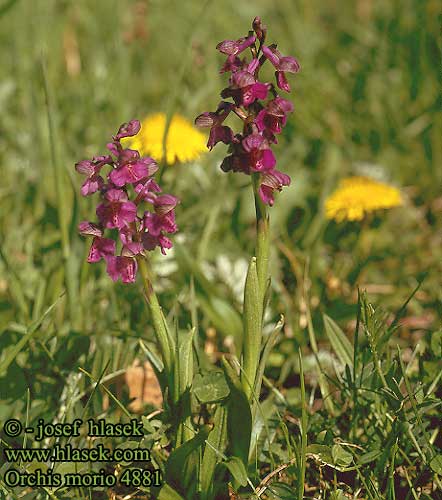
(366, 101)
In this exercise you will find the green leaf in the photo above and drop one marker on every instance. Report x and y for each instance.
(33, 327)
(252, 329)
(213, 452)
(321, 451)
(168, 493)
(269, 344)
(210, 387)
(340, 343)
(261, 434)
(237, 469)
(185, 361)
(222, 315)
(338, 495)
(436, 464)
(176, 465)
(368, 457)
(280, 491)
(239, 417)
(436, 343)
(341, 456)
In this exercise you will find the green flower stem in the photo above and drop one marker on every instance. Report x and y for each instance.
(254, 296)
(262, 238)
(157, 316)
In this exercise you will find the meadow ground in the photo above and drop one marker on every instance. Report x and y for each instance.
(361, 299)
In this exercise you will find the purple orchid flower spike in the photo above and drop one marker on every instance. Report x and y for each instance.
(130, 176)
(249, 150)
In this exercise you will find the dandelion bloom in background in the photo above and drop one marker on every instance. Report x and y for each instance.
(184, 143)
(130, 205)
(358, 196)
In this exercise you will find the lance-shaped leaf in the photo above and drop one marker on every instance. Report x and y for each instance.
(239, 417)
(185, 361)
(269, 344)
(213, 452)
(237, 469)
(340, 343)
(177, 473)
(252, 329)
(168, 493)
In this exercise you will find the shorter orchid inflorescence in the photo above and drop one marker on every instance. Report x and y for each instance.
(130, 176)
(250, 151)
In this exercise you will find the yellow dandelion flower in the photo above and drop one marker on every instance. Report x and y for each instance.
(357, 196)
(183, 144)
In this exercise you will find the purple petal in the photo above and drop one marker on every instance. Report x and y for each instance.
(227, 46)
(152, 222)
(256, 91)
(128, 156)
(128, 213)
(147, 190)
(150, 164)
(165, 203)
(85, 167)
(245, 44)
(266, 162)
(101, 248)
(129, 174)
(86, 228)
(128, 268)
(128, 129)
(233, 47)
(289, 64)
(266, 195)
(112, 268)
(206, 119)
(281, 81)
(233, 63)
(164, 243)
(114, 148)
(253, 65)
(149, 241)
(91, 185)
(280, 107)
(272, 55)
(132, 249)
(116, 195)
(220, 134)
(243, 79)
(260, 120)
(126, 235)
(253, 141)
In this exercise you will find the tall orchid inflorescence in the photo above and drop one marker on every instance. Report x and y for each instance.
(263, 118)
(139, 231)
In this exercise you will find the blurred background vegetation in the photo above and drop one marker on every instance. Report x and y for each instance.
(367, 101)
